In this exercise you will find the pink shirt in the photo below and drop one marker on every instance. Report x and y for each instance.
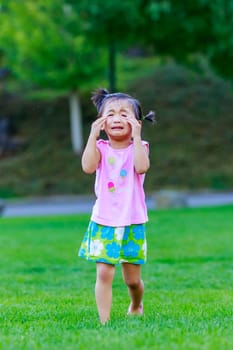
(118, 188)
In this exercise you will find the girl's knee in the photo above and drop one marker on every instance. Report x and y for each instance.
(133, 283)
(105, 272)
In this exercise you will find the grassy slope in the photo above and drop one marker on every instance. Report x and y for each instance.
(191, 145)
(193, 142)
(47, 293)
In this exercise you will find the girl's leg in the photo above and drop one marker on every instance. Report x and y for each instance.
(103, 290)
(132, 277)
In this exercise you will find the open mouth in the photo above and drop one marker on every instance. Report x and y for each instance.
(117, 128)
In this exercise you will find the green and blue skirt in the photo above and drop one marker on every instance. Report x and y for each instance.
(113, 245)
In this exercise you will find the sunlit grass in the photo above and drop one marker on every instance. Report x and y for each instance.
(47, 292)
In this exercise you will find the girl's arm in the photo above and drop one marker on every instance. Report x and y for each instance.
(141, 152)
(141, 156)
(91, 154)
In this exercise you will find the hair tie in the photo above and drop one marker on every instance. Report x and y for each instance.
(149, 117)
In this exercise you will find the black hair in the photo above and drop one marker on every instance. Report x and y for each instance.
(100, 96)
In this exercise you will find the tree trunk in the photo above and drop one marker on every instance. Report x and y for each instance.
(112, 66)
(76, 122)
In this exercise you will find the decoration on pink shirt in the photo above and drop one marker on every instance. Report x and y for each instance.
(111, 186)
(123, 173)
(111, 160)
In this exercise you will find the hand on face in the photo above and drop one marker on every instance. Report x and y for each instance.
(135, 124)
(97, 126)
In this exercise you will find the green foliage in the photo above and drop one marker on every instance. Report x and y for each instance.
(44, 45)
(111, 24)
(221, 51)
(65, 45)
(47, 292)
(180, 28)
(109, 20)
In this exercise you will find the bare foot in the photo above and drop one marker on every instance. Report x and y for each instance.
(139, 311)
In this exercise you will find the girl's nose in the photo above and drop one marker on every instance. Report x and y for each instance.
(116, 117)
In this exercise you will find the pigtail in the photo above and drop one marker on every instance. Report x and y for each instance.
(98, 97)
(150, 117)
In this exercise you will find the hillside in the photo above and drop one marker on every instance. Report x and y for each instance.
(190, 146)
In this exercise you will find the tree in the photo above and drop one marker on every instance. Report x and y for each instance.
(61, 44)
(44, 45)
(221, 52)
(111, 24)
(180, 28)
(175, 28)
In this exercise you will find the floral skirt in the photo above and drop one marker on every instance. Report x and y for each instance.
(113, 245)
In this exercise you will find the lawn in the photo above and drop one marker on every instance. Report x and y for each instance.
(47, 292)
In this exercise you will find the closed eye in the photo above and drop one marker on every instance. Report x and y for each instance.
(124, 115)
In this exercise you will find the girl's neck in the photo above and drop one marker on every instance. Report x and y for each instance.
(118, 144)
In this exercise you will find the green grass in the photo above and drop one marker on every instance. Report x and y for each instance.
(47, 292)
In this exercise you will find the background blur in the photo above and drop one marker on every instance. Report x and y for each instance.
(174, 56)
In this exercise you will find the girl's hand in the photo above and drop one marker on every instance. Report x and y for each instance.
(136, 126)
(97, 126)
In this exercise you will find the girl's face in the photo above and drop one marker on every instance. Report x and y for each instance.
(116, 125)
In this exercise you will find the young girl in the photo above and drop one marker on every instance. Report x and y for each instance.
(116, 232)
